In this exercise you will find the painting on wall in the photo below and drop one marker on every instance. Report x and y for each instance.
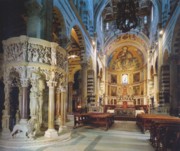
(136, 77)
(125, 79)
(113, 91)
(136, 90)
(113, 78)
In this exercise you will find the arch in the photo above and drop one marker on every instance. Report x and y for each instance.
(126, 57)
(140, 41)
(59, 32)
(14, 79)
(76, 51)
(99, 9)
(80, 37)
(128, 39)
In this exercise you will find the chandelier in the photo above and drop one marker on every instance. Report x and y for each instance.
(126, 18)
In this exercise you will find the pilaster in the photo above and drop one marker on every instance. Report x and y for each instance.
(5, 113)
(155, 90)
(70, 95)
(173, 84)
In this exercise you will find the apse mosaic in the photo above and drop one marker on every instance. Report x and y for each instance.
(126, 58)
(132, 38)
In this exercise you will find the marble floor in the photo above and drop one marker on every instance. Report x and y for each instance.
(122, 136)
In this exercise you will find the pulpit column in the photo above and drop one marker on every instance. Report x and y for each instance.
(84, 84)
(58, 105)
(51, 132)
(5, 113)
(63, 109)
(41, 100)
(18, 130)
(24, 101)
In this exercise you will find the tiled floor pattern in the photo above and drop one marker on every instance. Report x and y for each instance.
(122, 136)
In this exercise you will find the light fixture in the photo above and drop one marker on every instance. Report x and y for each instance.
(126, 18)
(161, 32)
(72, 56)
(93, 42)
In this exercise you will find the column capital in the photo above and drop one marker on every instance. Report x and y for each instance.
(84, 64)
(62, 89)
(71, 82)
(34, 8)
(51, 83)
(24, 82)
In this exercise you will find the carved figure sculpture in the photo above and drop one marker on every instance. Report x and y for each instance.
(34, 105)
(25, 130)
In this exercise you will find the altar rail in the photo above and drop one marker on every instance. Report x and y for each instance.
(136, 107)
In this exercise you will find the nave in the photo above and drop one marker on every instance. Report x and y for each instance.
(122, 136)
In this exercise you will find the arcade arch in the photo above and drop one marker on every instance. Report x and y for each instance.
(77, 64)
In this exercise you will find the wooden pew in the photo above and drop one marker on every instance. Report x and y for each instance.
(163, 133)
(101, 119)
(94, 119)
(80, 119)
(144, 120)
(164, 130)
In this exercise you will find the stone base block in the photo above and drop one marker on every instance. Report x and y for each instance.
(51, 133)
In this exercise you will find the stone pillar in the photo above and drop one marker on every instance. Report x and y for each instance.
(51, 132)
(70, 95)
(148, 76)
(63, 110)
(160, 61)
(34, 9)
(173, 85)
(146, 100)
(24, 101)
(84, 84)
(5, 113)
(41, 100)
(58, 105)
(97, 91)
(19, 130)
(106, 87)
(20, 97)
(47, 19)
